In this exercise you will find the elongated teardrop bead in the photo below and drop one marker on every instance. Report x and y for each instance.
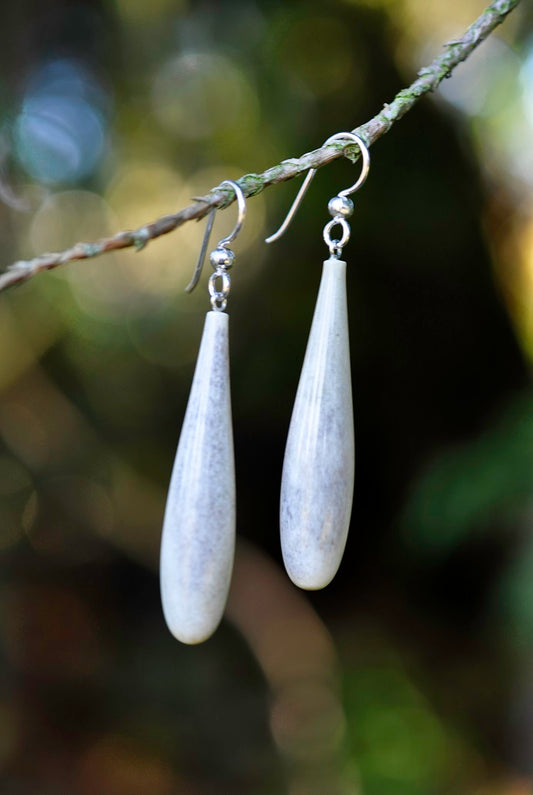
(318, 470)
(198, 540)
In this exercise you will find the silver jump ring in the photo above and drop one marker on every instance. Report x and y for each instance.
(335, 246)
(219, 304)
(225, 284)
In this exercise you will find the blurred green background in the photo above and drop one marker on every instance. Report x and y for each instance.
(412, 674)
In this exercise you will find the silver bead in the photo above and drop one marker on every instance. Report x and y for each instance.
(221, 258)
(340, 205)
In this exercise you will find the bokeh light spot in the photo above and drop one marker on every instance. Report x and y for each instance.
(484, 83)
(68, 216)
(60, 131)
(199, 95)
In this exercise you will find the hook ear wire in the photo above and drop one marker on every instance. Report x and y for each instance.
(225, 241)
(241, 209)
(205, 242)
(294, 207)
(365, 155)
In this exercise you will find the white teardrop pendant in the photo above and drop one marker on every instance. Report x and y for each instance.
(318, 469)
(198, 540)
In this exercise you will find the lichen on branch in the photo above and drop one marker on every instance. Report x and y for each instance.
(429, 77)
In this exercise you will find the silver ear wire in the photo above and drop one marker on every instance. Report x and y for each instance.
(201, 259)
(224, 243)
(365, 155)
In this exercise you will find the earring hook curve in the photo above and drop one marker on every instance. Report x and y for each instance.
(225, 241)
(365, 155)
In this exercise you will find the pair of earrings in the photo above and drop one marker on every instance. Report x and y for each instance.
(198, 539)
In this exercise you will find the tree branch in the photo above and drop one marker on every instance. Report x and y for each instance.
(428, 79)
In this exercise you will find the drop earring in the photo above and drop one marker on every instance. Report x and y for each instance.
(198, 541)
(318, 468)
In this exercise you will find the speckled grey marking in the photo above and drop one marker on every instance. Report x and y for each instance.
(199, 528)
(318, 470)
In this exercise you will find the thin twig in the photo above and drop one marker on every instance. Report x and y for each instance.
(428, 79)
